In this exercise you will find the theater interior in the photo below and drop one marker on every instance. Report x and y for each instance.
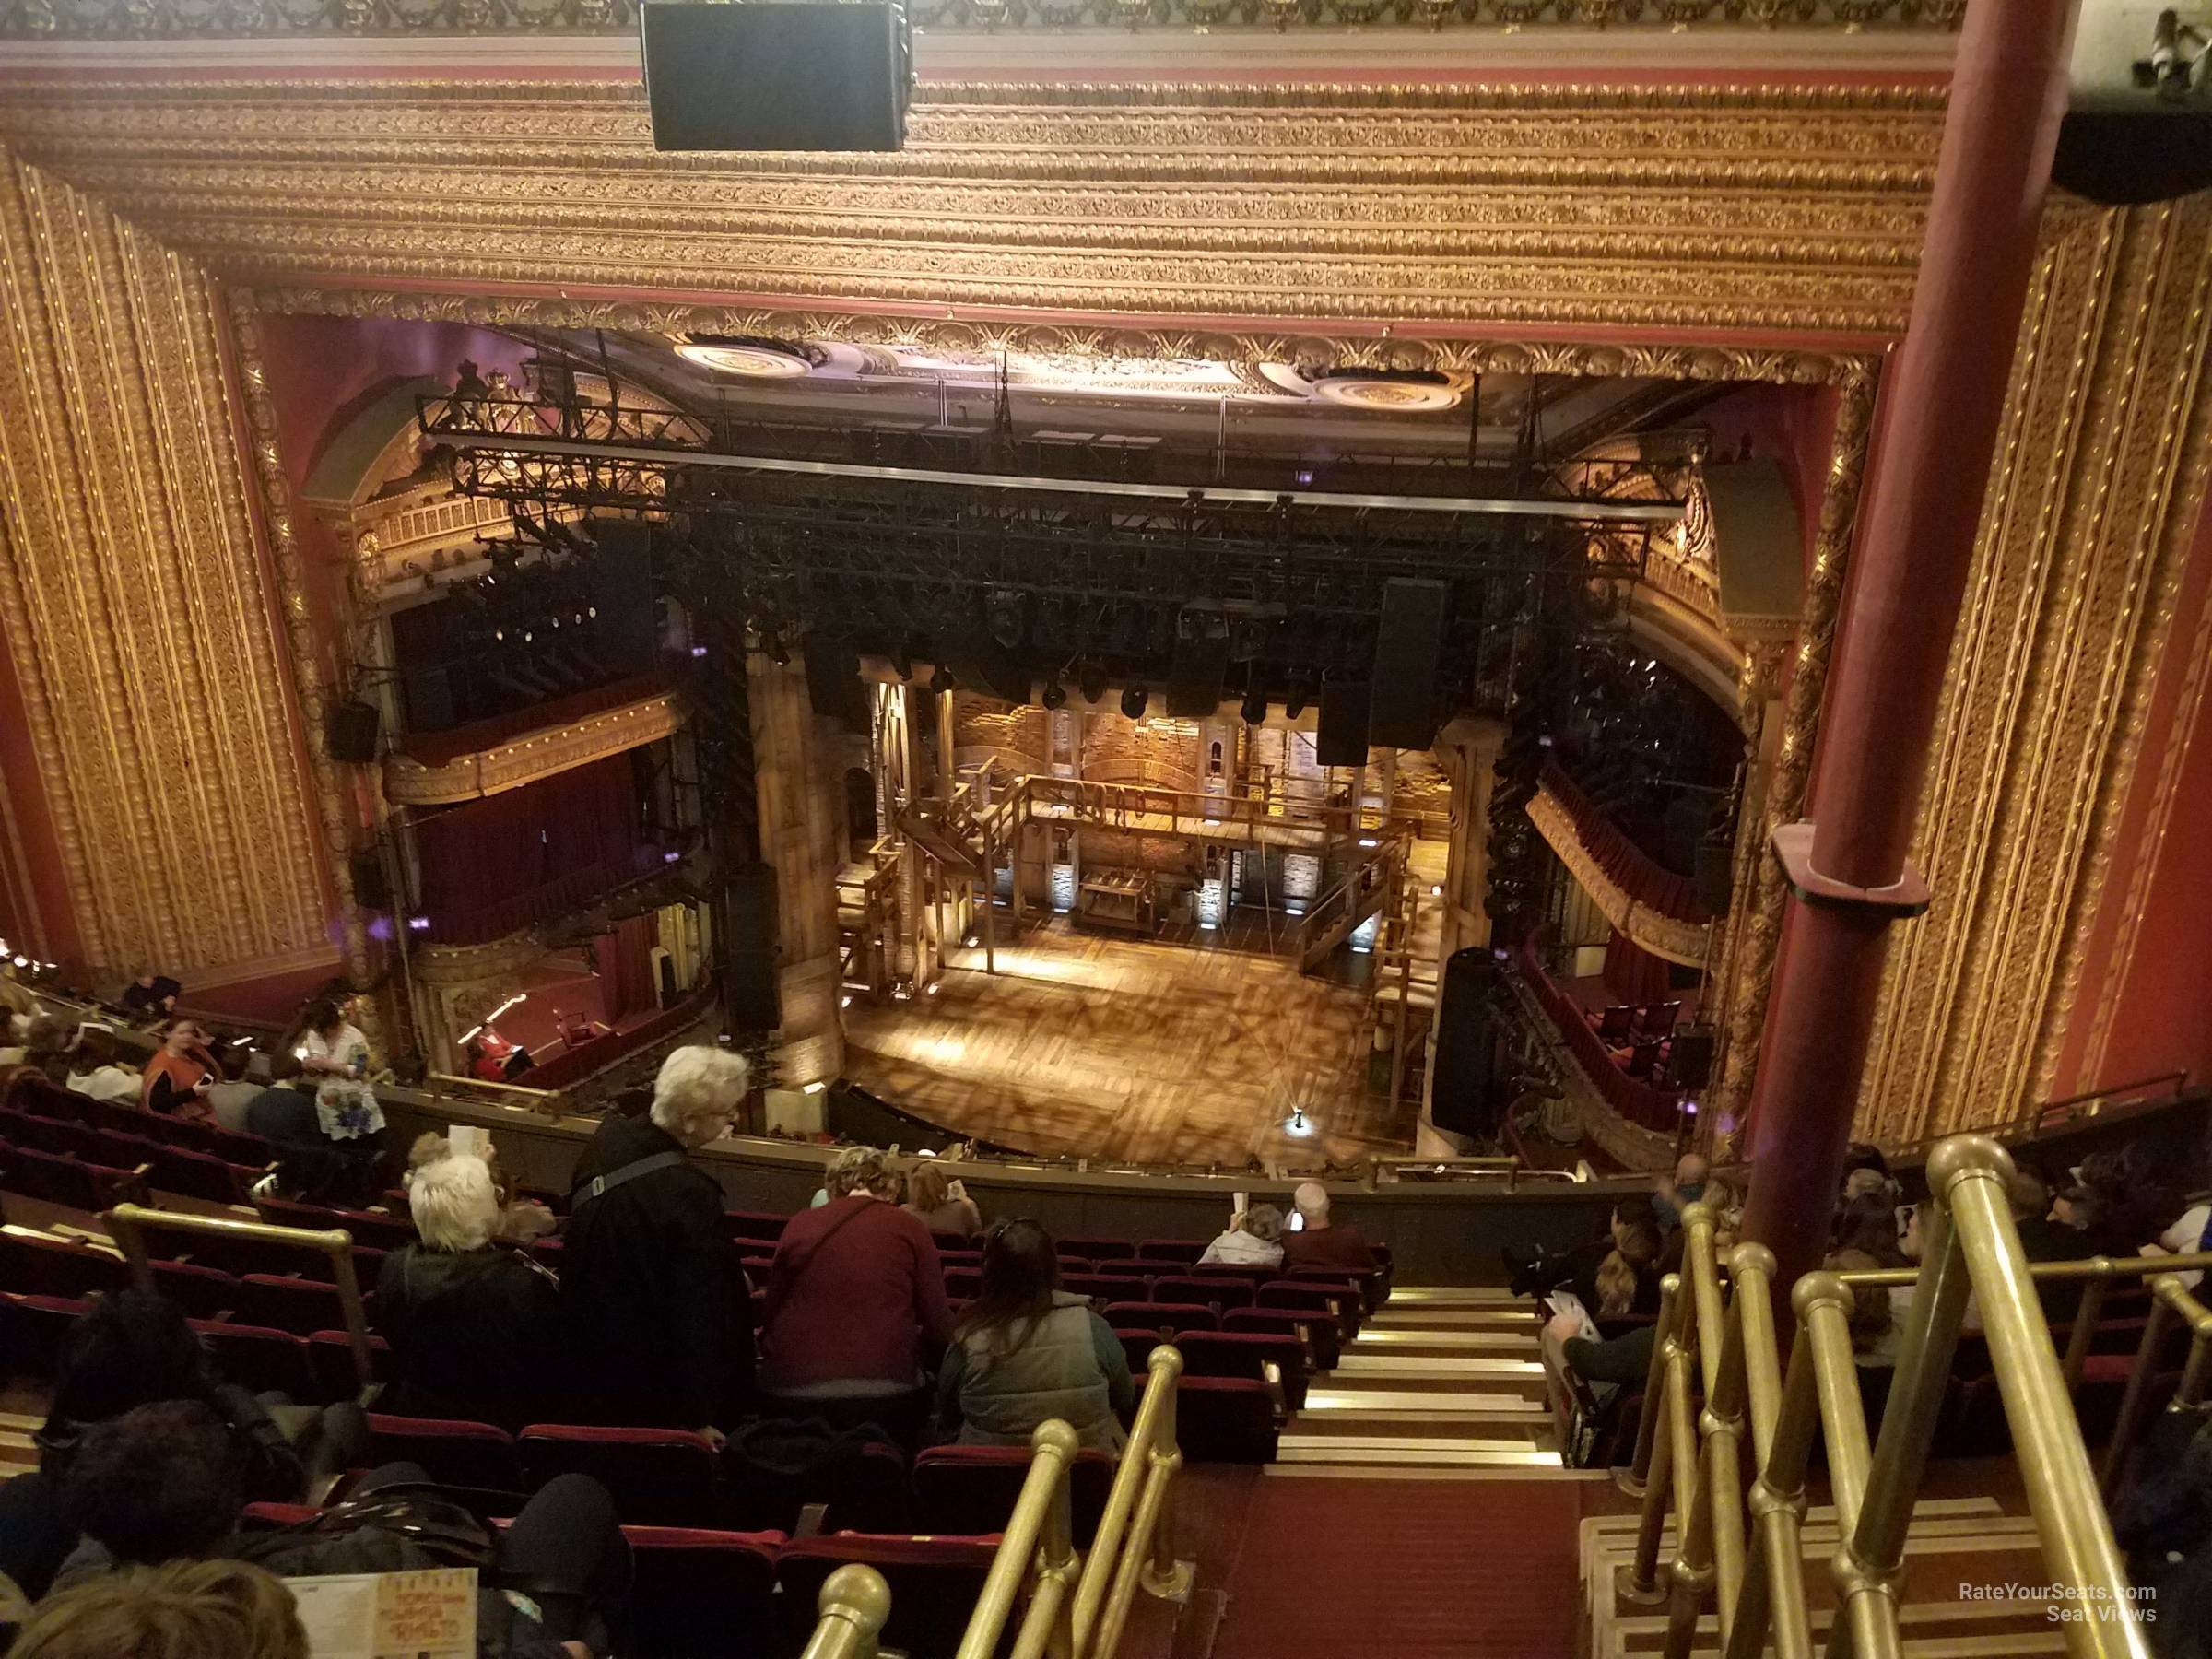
(1522, 614)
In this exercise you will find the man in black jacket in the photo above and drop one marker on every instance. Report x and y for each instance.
(658, 1310)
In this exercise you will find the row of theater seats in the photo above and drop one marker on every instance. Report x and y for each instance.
(705, 1594)
(1971, 1420)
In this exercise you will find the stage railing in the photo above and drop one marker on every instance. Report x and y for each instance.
(1078, 1608)
(854, 1605)
(129, 1223)
(1741, 1559)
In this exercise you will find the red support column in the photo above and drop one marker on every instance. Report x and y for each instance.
(1848, 865)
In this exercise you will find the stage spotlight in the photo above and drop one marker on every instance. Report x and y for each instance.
(1007, 614)
(1294, 704)
(1092, 682)
(1055, 694)
(1255, 707)
(940, 680)
(903, 660)
(1133, 702)
(778, 653)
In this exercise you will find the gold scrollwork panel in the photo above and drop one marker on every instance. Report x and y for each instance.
(1770, 207)
(134, 598)
(2068, 621)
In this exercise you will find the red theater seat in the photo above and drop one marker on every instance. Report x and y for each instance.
(1343, 1302)
(1138, 1346)
(1213, 1291)
(283, 1303)
(260, 1359)
(1126, 1267)
(453, 1452)
(33, 1329)
(65, 1181)
(62, 1138)
(862, 1488)
(1185, 1250)
(1096, 1250)
(700, 1595)
(202, 1292)
(935, 1584)
(754, 1226)
(1166, 1319)
(1225, 1420)
(1316, 1331)
(1113, 1286)
(962, 1284)
(1248, 1353)
(972, 1489)
(194, 1174)
(1241, 1273)
(331, 1353)
(35, 1266)
(658, 1477)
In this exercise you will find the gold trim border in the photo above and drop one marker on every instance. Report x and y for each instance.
(544, 753)
(1683, 942)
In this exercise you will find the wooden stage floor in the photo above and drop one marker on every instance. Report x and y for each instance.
(1108, 1047)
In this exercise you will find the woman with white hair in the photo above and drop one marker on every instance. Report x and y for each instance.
(856, 1310)
(658, 1309)
(473, 1326)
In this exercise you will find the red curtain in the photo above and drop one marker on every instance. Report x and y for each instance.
(1632, 973)
(494, 866)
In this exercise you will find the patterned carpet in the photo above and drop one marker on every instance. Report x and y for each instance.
(1414, 1569)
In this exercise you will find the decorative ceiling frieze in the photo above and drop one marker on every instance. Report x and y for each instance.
(186, 20)
(1773, 209)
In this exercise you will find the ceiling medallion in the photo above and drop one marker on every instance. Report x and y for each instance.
(750, 356)
(1386, 391)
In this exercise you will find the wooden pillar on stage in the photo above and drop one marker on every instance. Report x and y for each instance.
(799, 785)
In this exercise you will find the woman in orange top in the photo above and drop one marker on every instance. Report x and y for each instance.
(179, 1074)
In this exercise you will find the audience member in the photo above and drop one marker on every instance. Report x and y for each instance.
(94, 1069)
(856, 1310)
(1678, 1192)
(152, 994)
(135, 1349)
(521, 1221)
(2190, 1234)
(234, 1091)
(310, 1164)
(1536, 1272)
(185, 1610)
(475, 1328)
(1254, 1239)
(1320, 1243)
(178, 1078)
(329, 1045)
(157, 1485)
(1025, 1350)
(656, 1301)
(941, 1202)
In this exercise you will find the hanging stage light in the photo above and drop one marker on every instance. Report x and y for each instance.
(1133, 702)
(1255, 707)
(1091, 681)
(940, 680)
(1294, 702)
(1055, 694)
(903, 661)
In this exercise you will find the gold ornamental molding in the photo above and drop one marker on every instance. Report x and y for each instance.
(448, 965)
(1780, 208)
(1662, 935)
(526, 759)
(185, 19)
(2067, 628)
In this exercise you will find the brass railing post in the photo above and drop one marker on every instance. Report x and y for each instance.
(1720, 1348)
(1968, 1176)
(1134, 1543)
(1691, 1574)
(1640, 1464)
(854, 1603)
(1784, 1419)
(1041, 1506)
(1639, 1581)
(2129, 1423)
(2085, 1326)
(1047, 1629)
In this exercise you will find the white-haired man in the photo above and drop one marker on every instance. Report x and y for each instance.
(652, 1288)
(1322, 1242)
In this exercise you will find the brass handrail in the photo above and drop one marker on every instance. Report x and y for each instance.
(1072, 1618)
(1723, 1349)
(129, 1223)
(854, 1603)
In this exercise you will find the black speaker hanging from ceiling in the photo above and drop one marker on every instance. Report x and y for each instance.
(1410, 638)
(1340, 736)
(352, 732)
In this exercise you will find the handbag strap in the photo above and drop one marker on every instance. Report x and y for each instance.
(835, 1227)
(600, 1186)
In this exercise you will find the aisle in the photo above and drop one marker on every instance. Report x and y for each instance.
(1414, 1569)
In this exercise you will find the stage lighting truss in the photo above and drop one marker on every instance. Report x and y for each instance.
(1054, 572)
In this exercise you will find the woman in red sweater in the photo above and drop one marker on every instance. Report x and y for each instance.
(856, 1315)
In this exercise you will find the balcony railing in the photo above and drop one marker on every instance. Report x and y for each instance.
(1642, 1103)
(1739, 1556)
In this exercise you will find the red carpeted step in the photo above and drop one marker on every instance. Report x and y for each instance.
(1415, 1568)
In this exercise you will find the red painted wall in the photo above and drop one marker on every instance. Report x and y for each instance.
(2163, 1018)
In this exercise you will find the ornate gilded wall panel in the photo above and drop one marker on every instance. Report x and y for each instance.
(166, 19)
(1781, 208)
(2068, 618)
(133, 594)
